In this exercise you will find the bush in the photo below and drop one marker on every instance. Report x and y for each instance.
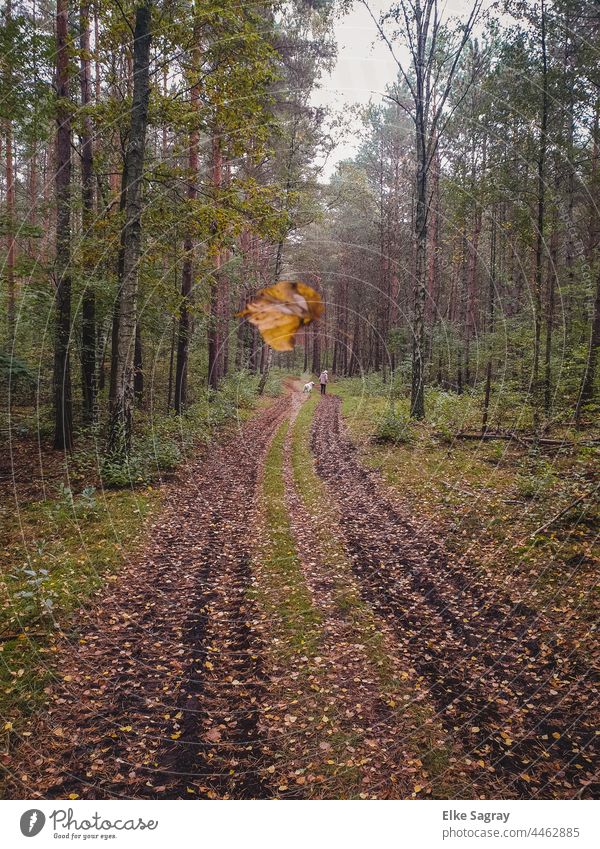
(117, 473)
(163, 454)
(537, 481)
(395, 428)
(17, 375)
(450, 412)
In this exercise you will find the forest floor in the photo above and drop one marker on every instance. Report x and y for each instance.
(294, 625)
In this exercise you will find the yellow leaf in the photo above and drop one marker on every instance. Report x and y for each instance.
(73, 795)
(280, 310)
(125, 728)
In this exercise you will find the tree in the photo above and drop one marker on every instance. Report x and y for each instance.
(187, 276)
(88, 319)
(435, 52)
(63, 414)
(121, 413)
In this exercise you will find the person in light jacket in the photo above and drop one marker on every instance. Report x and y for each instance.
(324, 380)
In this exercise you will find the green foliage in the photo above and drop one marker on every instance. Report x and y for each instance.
(537, 479)
(119, 473)
(16, 376)
(395, 428)
(450, 413)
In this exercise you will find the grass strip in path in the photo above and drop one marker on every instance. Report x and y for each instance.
(392, 731)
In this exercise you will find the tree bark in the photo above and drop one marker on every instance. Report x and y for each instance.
(541, 212)
(214, 318)
(187, 276)
(63, 415)
(88, 306)
(121, 413)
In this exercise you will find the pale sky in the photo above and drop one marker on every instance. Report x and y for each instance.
(364, 66)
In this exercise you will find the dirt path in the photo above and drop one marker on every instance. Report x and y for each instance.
(399, 672)
(159, 695)
(521, 707)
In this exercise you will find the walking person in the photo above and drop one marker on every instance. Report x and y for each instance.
(324, 380)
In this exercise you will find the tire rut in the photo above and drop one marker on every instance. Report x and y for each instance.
(520, 704)
(160, 695)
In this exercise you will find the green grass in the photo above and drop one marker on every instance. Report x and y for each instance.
(285, 592)
(54, 555)
(435, 757)
(489, 498)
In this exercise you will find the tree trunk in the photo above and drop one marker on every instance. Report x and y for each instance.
(10, 234)
(417, 397)
(492, 303)
(138, 367)
(114, 353)
(550, 286)
(171, 365)
(586, 392)
(187, 276)
(88, 306)
(121, 413)
(10, 208)
(63, 415)
(316, 351)
(541, 211)
(214, 318)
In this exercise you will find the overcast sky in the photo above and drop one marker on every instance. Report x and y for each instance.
(364, 66)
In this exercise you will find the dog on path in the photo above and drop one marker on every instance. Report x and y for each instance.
(308, 387)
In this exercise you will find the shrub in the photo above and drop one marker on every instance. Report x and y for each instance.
(163, 454)
(395, 428)
(117, 473)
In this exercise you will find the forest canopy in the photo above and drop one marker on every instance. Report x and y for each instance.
(162, 162)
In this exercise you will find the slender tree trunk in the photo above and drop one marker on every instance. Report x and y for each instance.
(10, 234)
(316, 350)
(586, 392)
(417, 398)
(187, 276)
(214, 319)
(171, 365)
(88, 306)
(541, 212)
(63, 415)
(550, 298)
(491, 324)
(121, 418)
(10, 207)
(114, 353)
(138, 367)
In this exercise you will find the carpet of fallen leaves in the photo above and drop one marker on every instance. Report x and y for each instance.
(179, 683)
(522, 703)
(158, 695)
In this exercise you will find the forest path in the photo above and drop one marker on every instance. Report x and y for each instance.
(523, 708)
(290, 631)
(160, 684)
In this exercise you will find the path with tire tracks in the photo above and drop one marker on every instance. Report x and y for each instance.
(396, 672)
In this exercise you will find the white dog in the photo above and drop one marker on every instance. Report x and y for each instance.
(308, 387)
